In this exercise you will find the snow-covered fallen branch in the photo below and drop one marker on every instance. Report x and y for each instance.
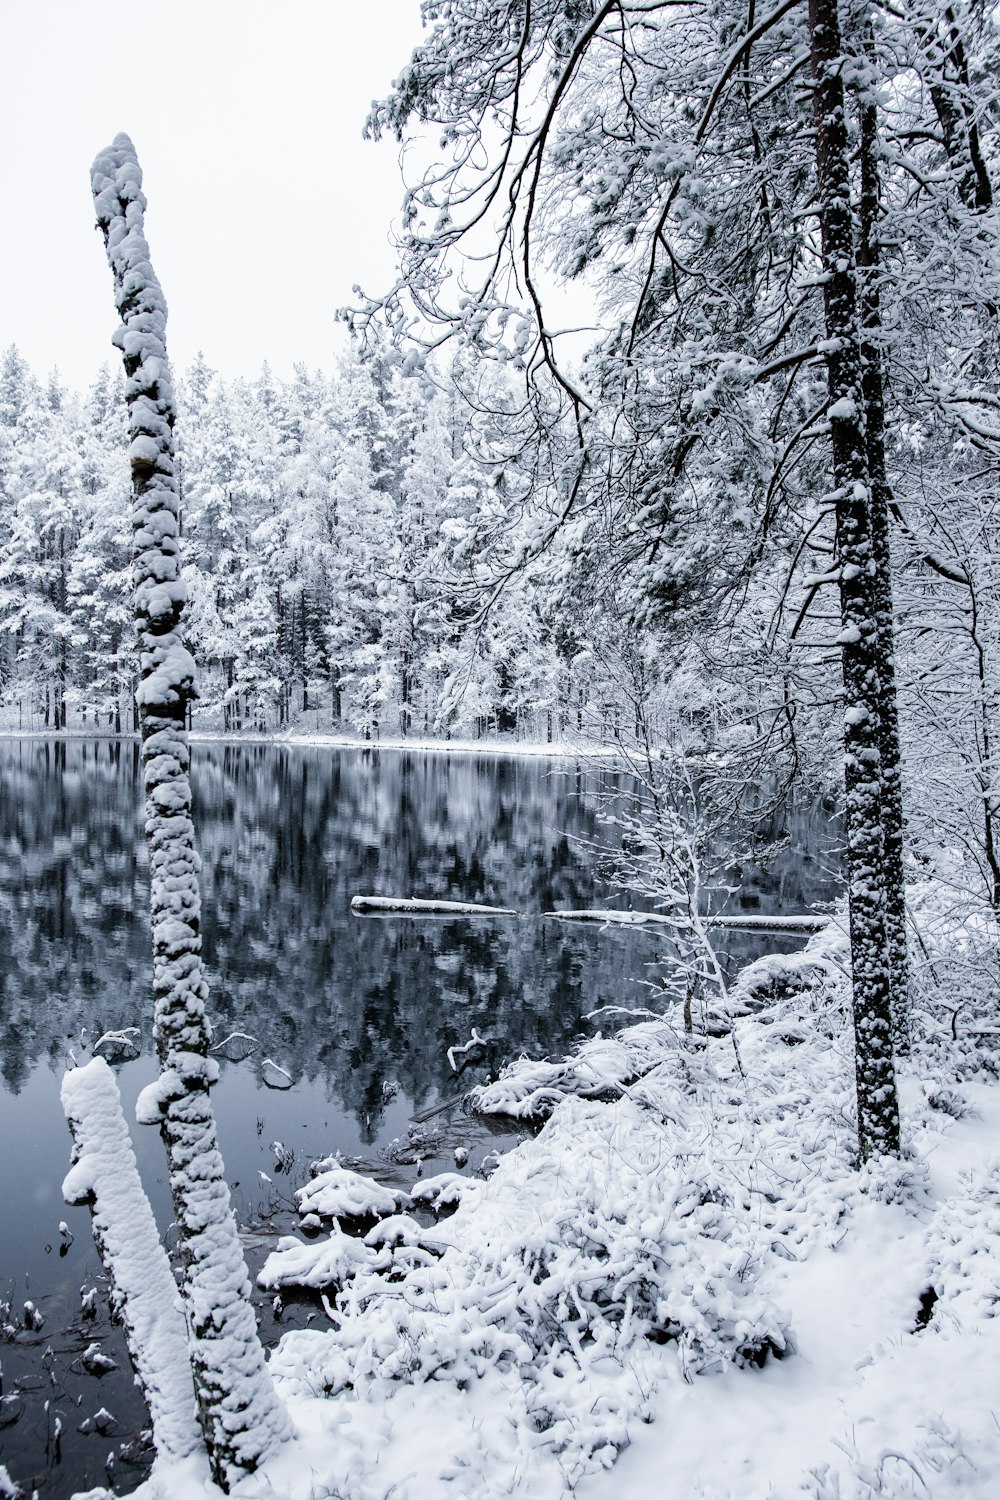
(475, 1040)
(414, 906)
(744, 921)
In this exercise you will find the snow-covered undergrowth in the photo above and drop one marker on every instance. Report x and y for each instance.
(688, 1244)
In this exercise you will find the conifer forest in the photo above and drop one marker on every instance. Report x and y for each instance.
(500, 831)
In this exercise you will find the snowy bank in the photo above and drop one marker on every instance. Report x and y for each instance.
(687, 1244)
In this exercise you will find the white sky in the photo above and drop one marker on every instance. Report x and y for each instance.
(265, 205)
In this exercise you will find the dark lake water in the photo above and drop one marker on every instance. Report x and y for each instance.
(359, 1013)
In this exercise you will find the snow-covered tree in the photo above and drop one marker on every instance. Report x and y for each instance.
(241, 1416)
(687, 168)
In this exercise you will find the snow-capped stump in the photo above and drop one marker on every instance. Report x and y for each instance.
(339, 1193)
(33, 1319)
(320, 1264)
(444, 1191)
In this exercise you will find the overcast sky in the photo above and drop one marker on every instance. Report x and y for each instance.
(265, 205)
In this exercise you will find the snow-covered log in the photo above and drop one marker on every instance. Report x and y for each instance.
(105, 1177)
(414, 906)
(743, 922)
(242, 1418)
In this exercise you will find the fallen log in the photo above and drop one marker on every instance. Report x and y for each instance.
(413, 906)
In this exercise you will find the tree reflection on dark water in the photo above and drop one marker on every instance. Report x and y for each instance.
(359, 1012)
(287, 836)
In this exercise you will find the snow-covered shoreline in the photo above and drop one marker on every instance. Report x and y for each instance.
(683, 1272)
(527, 749)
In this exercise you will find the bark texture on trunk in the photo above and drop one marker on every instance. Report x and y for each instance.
(893, 823)
(878, 1112)
(242, 1419)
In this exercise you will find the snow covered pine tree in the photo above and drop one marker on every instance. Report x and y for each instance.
(675, 158)
(242, 1418)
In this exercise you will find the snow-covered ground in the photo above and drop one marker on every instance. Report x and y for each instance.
(681, 1285)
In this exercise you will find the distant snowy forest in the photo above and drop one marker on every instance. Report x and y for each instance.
(334, 531)
(375, 553)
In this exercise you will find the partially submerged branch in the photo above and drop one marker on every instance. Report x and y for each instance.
(143, 1290)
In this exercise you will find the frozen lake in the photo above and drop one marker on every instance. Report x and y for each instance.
(356, 1014)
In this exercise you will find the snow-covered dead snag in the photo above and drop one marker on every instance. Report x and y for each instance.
(414, 906)
(105, 1177)
(242, 1418)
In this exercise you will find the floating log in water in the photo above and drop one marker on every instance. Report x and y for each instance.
(622, 918)
(748, 923)
(413, 906)
(744, 922)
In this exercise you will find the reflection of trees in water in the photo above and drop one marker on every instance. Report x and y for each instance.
(72, 898)
(287, 837)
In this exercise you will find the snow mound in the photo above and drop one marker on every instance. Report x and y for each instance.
(443, 1191)
(320, 1264)
(338, 1193)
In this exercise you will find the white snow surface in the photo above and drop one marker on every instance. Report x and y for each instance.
(591, 1318)
(336, 1193)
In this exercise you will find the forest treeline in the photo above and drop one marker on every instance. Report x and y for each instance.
(362, 554)
(327, 533)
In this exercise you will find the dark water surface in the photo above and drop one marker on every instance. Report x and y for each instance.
(358, 1013)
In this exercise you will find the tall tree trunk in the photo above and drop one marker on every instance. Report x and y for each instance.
(878, 1112)
(242, 1419)
(893, 825)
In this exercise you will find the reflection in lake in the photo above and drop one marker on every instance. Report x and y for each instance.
(360, 1013)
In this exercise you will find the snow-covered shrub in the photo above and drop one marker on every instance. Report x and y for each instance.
(585, 1242)
(671, 1174)
(601, 1068)
(963, 1248)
